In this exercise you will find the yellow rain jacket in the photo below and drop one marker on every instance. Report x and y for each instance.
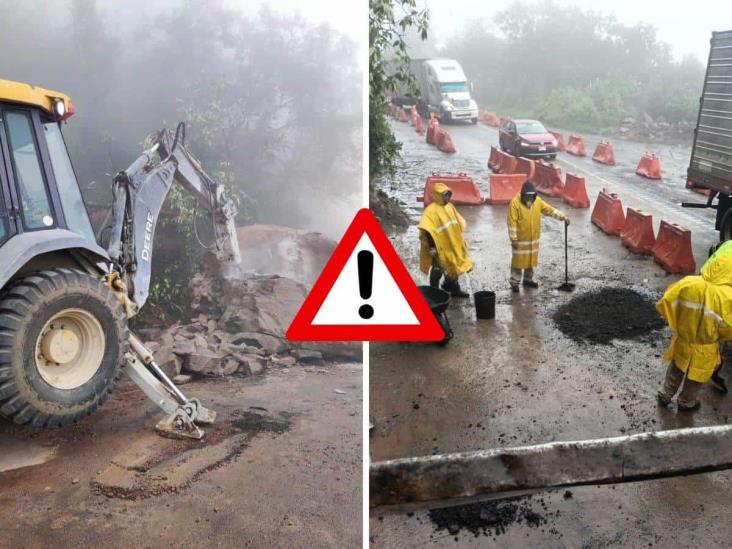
(698, 309)
(445, 225)
(524, 228)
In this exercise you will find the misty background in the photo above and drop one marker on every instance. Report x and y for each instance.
(272, 99)
(579, 65)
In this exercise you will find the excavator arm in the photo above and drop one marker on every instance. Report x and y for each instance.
(139, 193)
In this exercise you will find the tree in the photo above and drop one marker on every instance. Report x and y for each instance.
(389, 22)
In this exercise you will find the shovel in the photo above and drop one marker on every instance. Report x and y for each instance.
(567, 286)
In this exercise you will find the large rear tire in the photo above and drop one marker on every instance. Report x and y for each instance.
(63, 336)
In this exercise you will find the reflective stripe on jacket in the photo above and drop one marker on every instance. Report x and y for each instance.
(524, 229)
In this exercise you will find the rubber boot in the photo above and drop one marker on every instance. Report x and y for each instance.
(718, 382)
(453, 286)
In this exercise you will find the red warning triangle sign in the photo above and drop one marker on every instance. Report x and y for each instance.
(395, 308)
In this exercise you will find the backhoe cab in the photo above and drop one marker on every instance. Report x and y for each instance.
(64, 300)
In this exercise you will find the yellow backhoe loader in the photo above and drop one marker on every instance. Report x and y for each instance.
(64, 300)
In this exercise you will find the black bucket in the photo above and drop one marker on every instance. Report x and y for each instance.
(485, 305)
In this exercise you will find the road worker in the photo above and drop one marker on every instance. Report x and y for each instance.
(698, 309)
(443, 250)
(524, 230)
(717, 380)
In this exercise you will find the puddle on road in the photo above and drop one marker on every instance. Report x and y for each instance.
(17, 453)
(168, 466)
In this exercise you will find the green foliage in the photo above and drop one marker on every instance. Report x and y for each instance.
(389, 22)
(575, 68)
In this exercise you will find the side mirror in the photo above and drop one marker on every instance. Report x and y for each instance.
(472, 88)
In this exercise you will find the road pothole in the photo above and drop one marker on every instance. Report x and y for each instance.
(156, 466)
(599, 316)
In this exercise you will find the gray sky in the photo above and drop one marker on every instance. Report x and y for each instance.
(685, 25)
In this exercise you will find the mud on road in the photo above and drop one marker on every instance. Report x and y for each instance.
(281, 467)
(519, 379)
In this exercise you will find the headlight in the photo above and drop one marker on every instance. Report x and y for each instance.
(525, 143)
(59, 107)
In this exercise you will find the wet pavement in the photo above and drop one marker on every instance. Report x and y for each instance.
(518, 380)
(281, 467)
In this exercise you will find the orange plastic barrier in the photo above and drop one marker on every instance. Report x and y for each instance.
(506, 163)
(464, 190)
(418, 125)
(649, 166)
(526, 167)
(576, 145)
(637, 234)
(494, 160)
(548, 179)
(505, 187)
(560, 140)
(608, 213)
(575, 191)
(604, 153)
(445, 143)
(503, 119)
(402, 115)
(673, 249)
(489, 118)
(433, 131)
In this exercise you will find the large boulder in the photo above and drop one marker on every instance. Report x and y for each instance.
(291, 253)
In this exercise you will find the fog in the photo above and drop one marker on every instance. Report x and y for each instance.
(685, 26)
(272, 99)
(586, 66)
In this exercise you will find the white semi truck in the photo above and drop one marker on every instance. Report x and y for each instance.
(443, 89)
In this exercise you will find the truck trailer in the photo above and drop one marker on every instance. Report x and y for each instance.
(710, 167)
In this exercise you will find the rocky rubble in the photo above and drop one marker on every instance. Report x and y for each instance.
(239, 328)
(646, 128)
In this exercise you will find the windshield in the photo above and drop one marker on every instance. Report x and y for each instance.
(531, 127)
(452, 87)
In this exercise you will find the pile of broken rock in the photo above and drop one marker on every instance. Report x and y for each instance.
(239, 327)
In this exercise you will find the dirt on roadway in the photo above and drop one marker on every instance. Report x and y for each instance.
(520, 380)
(280, 468)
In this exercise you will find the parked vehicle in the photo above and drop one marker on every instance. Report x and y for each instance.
(710, 166)
(529, 138)
(443, 89)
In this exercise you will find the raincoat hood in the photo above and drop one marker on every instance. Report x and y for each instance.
(718, 269)
(437, 193)
(527, 188)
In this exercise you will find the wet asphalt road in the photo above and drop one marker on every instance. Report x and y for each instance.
(517, 380)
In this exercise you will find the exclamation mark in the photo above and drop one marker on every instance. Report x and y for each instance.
(365, 281)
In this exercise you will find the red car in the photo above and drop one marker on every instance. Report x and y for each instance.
(528, 138)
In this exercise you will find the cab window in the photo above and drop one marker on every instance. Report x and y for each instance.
(77, 218)
(34, 200)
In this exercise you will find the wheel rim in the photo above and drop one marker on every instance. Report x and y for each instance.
(70, 349)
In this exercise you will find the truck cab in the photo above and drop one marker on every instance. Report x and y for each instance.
(444, 90)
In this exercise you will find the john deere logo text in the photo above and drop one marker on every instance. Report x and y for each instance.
(147, 245)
